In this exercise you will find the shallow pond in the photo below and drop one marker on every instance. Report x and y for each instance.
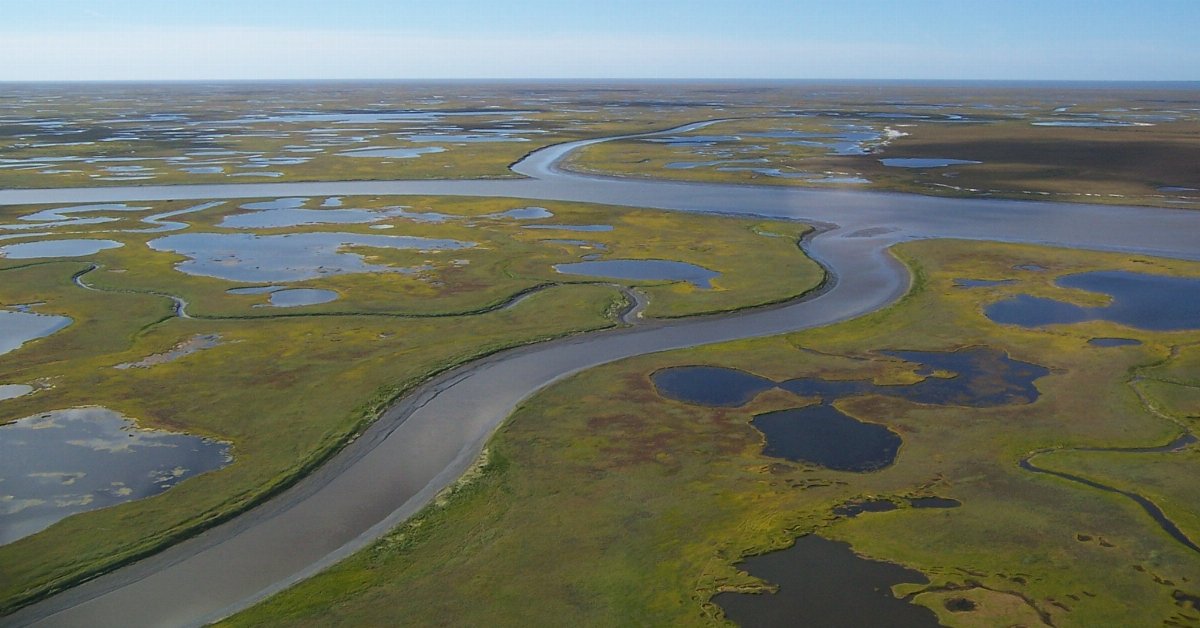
(392, 153)
(294, 217)
(642, 269)
(824, 583)
(17, 328)
(301, 296)
(59, 463)
(59, 214)
(469, 138)
(524, 213)
(1142, 301)
(199, 342)
(824, 436)
(291, 257)
(12, 391)
(56, 248)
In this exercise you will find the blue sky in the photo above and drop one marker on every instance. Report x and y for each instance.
(929, 39)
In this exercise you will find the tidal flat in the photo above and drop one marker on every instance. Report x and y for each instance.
(667, 497)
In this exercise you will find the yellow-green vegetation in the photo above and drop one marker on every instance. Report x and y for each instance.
(186, 134)
(508, 258)
(602, 503)
(287, 387)
(1122, 164)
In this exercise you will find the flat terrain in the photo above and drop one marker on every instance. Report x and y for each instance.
(288, 386)
(609, 504)
(283, 322)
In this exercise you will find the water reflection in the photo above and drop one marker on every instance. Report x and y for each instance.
(64, 462)
(638, 269)
(56, 248)
(1153, 302)
(291, 257)
(17, 328)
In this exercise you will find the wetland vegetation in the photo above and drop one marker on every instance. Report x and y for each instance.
(285, 386)
(1010, 443)
(584, 496)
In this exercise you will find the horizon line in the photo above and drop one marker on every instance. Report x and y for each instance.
(597, 79)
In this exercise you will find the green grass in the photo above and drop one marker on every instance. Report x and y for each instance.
(601, 503)
(289, 387)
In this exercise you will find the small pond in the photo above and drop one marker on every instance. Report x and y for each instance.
(392, 153)
(12, 391)
(524, 213)
(642, 269)
(56, 248)
(301, 296)
(199, 342)
(291, 257)
(1142, 301)
(17, 328)
(824, 583)
(59, 463)
(824, 436)
(59, 214)
(295, 217)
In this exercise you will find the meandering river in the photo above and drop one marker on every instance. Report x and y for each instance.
(429, 438)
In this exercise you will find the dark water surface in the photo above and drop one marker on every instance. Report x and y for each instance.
(1139, 300)
(823, 583)
(822, 435)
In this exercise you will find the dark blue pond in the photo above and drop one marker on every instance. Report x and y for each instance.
(822, 435)
(1153, 302)
(710, 385)
(824, 583)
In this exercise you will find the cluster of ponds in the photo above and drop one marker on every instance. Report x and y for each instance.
(1139, 300)
(739, 153)
(56, 464)
(227, 147)
(822, 435)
